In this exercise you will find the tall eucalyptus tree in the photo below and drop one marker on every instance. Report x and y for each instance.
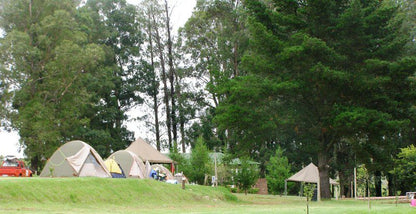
(49, 62)
(214, 38)
(114, 25)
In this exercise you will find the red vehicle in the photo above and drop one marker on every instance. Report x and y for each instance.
(14, 167)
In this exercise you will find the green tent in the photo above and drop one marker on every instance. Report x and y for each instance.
(130, 163)
(75, 159)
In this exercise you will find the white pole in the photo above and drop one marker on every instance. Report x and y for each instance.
(355, 183)
(336, 192)
(285, 187)
(216, 173)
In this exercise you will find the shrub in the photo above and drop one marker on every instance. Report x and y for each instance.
(278, 169)
(253, 190)
(199, 162)
(246, 175)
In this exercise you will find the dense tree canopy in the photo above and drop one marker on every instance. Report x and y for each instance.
(330, 82)
(332, 69)
(49, 60)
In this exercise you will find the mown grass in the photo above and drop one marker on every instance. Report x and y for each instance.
(97, 195)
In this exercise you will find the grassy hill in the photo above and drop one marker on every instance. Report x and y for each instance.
(40, 194)
(99, 190)
(100, 195)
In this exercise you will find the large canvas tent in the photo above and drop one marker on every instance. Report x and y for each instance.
(130, 163)
(75, 159)
(146, 152)
(309, 174)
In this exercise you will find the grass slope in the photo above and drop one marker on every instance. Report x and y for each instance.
(97, 195)
(99, 190)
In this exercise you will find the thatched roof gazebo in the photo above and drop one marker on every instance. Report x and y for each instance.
(309, 174)
(146, 152)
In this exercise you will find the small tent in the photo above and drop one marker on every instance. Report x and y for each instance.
(147, 153)
(132, 165)
(114, 168)
(309, 174)
(75, 159)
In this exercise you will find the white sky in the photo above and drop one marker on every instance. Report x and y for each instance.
(181, 11)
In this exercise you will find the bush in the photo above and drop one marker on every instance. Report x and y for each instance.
(246, 175)
(253, 190)
(405, 168)
(233, 189)
(278, 169)
(199, 162)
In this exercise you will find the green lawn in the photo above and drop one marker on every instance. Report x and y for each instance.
(95, 195)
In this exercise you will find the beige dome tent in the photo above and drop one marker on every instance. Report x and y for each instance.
(132, 165)
(75, 159)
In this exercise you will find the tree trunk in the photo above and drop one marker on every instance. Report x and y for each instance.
(377, 181)
(342, 181)
(164, 80)
(171, 76)
(323, 167)
(391, 185)
(181, 117)
(154, 86)
(34, 163)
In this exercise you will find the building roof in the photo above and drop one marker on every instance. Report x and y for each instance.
(146, 152)
(309, 174)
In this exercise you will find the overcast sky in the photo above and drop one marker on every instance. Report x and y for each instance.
(181, 10)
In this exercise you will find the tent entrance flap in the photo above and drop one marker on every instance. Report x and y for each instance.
(91, 168)
(77, 160)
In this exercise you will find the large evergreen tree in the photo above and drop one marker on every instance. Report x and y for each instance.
(332, 68)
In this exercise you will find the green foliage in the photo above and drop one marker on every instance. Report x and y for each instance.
(52, 64)
(253, 190)
(308, 191)
(182, 163)
(199, 162)
(246, 174)
(405, 167)
(278, 169)
(215, 37)
(363, 181)
(108, 23)
(325, 71)
(205, 129)
(72, 73)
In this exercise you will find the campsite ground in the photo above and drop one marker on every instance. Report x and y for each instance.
(94, 195)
